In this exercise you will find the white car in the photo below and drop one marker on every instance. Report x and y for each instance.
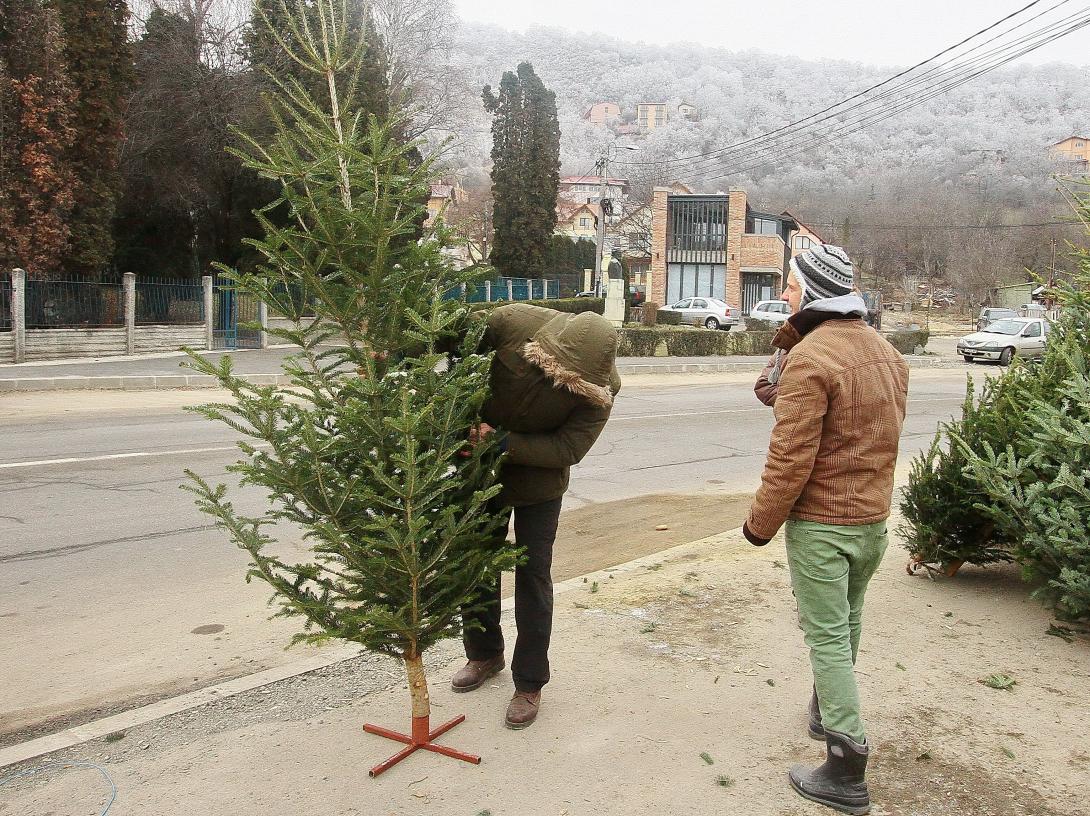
(1004, 339)
(711, 313)
(773, 311)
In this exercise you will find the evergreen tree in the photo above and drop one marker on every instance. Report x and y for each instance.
(374, 469)
(97, 53)
(36, 96)
(525, 172)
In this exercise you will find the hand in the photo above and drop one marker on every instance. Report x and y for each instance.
(752, 537)
(478, 434)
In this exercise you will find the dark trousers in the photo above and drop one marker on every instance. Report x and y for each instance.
(535, 531)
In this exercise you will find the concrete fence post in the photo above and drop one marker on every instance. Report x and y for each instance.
(209, 313)
(510, 289)
(263, 319)
(488, 291)
(18, 313)
(128, 288)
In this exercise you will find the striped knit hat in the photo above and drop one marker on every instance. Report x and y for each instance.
(823, 271)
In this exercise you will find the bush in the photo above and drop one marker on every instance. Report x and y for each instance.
(908, 340)
(660, 341)
(755, 324)
(667, 318)
(570, 305)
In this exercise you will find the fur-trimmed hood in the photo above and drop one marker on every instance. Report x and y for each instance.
(576, 352)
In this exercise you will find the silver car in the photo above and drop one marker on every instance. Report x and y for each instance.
(711, 313)
(774, 311)
(1002, 340)
(990, 314)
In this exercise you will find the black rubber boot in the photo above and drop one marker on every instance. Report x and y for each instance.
(841, 782)
(817, 731)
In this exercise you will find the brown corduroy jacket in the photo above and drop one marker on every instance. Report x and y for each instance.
(839, 409)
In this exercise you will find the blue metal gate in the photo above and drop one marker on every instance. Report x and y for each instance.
(234, 308)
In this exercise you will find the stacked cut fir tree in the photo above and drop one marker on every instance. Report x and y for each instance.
(1010, 481)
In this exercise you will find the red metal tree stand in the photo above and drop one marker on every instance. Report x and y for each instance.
(422, 739)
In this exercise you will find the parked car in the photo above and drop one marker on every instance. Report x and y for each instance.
(585, 294)
(1003, 339)
(711, 313)
(989, 315)
(636, 295)
(774, 311)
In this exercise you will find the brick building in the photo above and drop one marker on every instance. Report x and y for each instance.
(717, 246)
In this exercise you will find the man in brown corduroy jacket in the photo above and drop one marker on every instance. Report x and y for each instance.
(840, 398)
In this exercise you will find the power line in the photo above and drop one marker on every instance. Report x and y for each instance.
(773, 155)
(898, 102)
(769, 146)
(855, 225)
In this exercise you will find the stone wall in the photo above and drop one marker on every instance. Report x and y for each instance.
(58, 344)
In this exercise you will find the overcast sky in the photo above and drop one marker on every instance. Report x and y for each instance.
(879, 33)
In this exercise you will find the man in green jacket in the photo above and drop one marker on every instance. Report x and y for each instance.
(553, 384)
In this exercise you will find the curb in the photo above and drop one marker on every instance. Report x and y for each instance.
(192, 381)
(98, 729)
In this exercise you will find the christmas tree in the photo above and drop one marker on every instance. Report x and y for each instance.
(366, 451)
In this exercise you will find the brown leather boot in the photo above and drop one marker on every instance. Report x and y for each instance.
(522, 710)
(475, 674)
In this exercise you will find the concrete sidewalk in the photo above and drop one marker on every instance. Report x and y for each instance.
(263, 367)
(679, 687)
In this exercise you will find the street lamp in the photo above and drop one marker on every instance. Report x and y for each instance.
(602, 167)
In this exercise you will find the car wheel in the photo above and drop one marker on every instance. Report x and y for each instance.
(711, 323)
(1006, 357)
(968, 359)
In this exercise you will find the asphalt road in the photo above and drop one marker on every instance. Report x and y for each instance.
(115, 590)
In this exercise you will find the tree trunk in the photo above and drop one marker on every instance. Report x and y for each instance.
(418, 686)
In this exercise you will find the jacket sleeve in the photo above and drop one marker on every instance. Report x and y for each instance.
(801, 405)
(765, 389)
(563, 447)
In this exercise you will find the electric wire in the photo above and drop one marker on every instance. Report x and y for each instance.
(956, 72)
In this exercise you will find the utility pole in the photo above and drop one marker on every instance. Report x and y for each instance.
(604, 204)
(600, 167)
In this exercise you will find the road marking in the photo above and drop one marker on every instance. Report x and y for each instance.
(107, 457)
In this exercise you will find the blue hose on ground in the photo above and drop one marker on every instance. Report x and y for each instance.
(45, 767)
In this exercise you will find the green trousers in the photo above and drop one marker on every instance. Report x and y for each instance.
(831, 566)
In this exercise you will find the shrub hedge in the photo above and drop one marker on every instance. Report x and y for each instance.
(571, 305)
(907, 341)
(646, 341)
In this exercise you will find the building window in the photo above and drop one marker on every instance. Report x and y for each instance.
(765, 226)
(698, 225)
(584, 222)
(803, 242)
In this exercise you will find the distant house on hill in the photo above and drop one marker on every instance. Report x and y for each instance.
(688, 111)
(652, 115)
(1074, 150)
(804, 237)
(576, 220)
(442, 196)
(581, 189)
(603, 113)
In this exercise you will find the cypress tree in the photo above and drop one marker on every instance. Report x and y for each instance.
(525, 172)
(36, 97)
(99, 61)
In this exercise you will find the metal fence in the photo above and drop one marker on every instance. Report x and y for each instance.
(65, 304)
(5, 301)
(161, 301)
(502, 289)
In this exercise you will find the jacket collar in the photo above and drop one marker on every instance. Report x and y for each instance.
(802, 323)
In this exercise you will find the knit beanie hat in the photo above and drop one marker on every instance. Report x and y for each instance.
(823, 271)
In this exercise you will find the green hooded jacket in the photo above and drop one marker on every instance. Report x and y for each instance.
(553, 384)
